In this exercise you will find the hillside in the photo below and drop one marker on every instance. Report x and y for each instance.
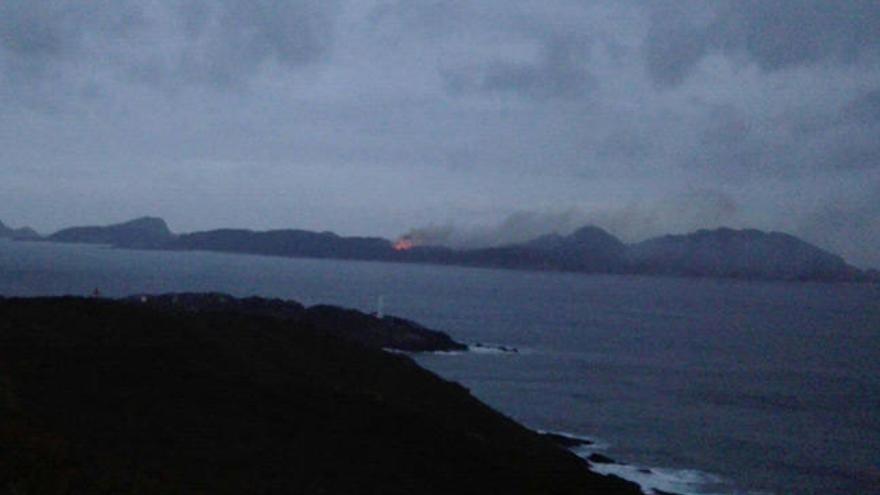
(102, 396)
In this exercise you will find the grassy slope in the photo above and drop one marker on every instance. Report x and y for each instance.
(105, 397)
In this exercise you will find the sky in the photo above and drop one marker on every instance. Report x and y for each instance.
(473, 121)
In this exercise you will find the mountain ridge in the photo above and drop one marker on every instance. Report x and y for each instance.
(718, 253)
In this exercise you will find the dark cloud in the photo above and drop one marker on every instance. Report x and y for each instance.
(725, 125)
(427, 18)
(36, 35)
(728, 147)
(778, 34)
(794, 141)
(673, 45)
(852, 142)
(166, 42)
(847, 225)
(559, 71)
(774, 34)
(230, 40)
(863, 110)
(846, 139)
(625, 145)
(519, 48)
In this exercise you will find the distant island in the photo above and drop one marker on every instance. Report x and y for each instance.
(204, 393)
(718, 253)
(20, 234)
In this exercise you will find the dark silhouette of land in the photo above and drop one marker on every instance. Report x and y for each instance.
(20, 234)
(723, 252)
(386, 332)
(146, 232)
(203, 394)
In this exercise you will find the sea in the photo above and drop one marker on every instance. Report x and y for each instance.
(692, 386)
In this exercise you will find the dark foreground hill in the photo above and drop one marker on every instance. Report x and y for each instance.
(104, 396)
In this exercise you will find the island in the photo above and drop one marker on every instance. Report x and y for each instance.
(19, 234)
(204, 393)
(749, 254)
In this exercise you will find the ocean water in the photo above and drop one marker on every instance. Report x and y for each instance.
(693, 385)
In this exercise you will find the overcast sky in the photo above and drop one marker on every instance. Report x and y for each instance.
(474, 119)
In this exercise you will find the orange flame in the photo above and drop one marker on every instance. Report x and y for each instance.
(403, 244)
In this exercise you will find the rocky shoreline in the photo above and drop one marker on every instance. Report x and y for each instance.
(212, 394)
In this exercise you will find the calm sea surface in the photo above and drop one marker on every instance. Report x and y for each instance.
(714, 386)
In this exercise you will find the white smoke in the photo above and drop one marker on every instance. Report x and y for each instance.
(681, 213)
